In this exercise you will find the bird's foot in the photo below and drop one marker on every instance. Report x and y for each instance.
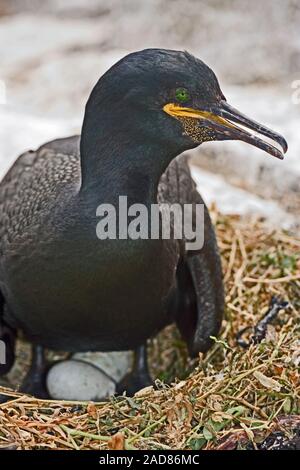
(35, 380)
(35, 385)
(139, 377)
(5, 398)
(36, 388)
(133, 382)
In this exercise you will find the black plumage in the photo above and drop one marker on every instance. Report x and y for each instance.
(68, 290)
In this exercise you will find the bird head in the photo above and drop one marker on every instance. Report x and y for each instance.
(173, 99)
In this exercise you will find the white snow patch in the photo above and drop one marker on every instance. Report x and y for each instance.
(232, 200)
(21, 132)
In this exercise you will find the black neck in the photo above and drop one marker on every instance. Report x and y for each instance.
(120, 163)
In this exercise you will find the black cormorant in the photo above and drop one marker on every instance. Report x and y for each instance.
(68, 290)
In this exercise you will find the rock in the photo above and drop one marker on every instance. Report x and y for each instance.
(79, 380)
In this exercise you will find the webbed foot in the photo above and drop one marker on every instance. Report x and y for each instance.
(34, 382)
(139, 377)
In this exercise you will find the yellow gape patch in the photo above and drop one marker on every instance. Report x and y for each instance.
(197, 133)
(190, 117)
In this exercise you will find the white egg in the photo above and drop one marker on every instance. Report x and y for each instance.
(78, 380)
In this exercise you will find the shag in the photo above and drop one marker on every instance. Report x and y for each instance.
(63, 287)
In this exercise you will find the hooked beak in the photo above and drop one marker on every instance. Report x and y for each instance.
(223, 119)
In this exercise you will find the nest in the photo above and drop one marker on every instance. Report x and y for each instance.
(229, 398)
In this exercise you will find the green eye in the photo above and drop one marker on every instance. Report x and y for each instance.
(182, 94)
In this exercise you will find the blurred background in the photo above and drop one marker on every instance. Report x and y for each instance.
(53, 52)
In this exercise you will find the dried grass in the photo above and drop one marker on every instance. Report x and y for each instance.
(231, 395)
